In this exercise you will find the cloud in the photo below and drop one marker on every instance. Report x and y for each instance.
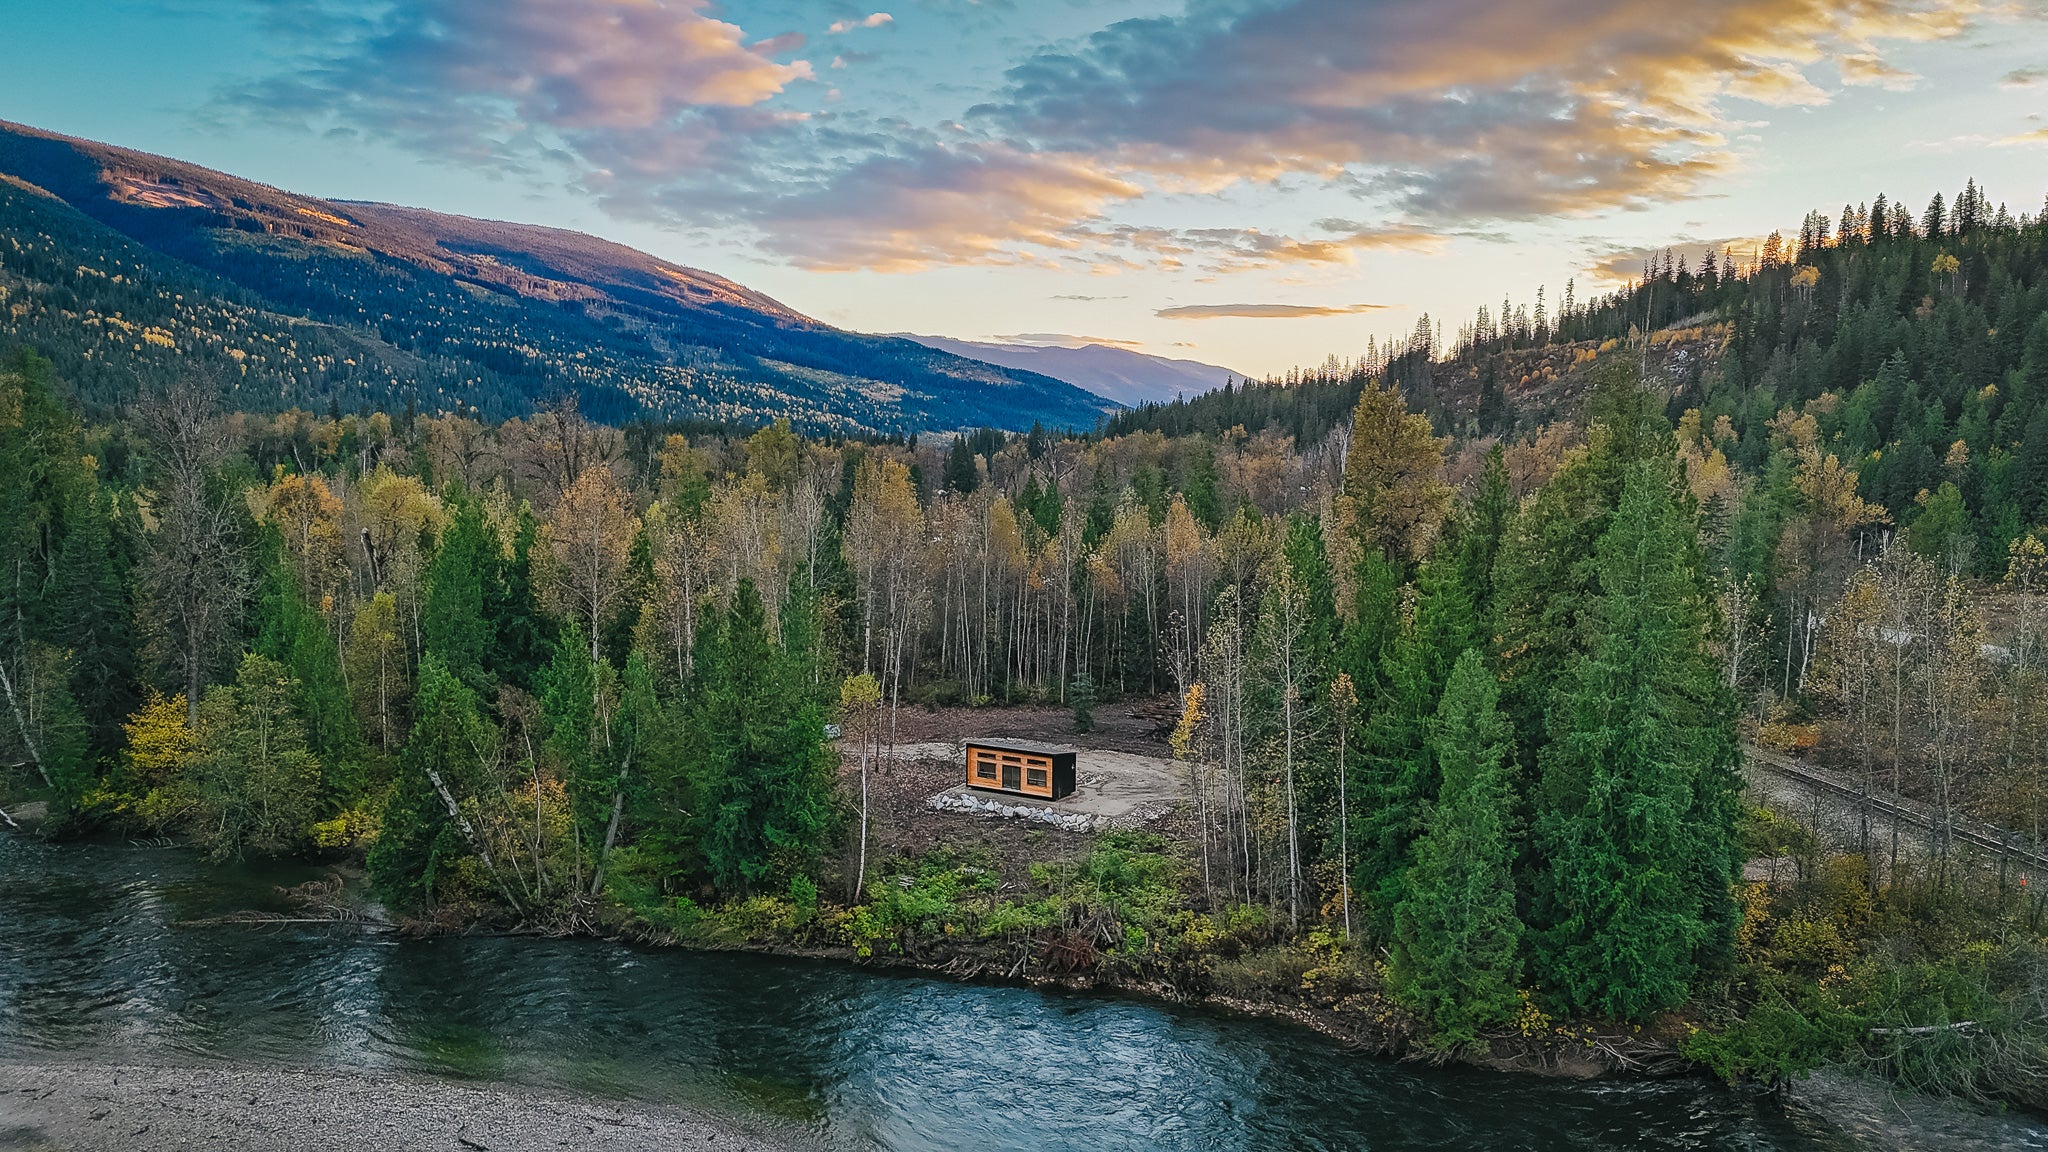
(1436, 118)
(871, 20)
(778, 44)
(631, 85)
(1457, 110)
(1439, 118)
(1263, 311)
(1865, 68)
(2035, 136)
(1615, 265)
(1076, 296)
(1231, 249)
(2023, 77)
(938, 204)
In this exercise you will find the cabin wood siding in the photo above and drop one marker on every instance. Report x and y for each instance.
(1046, 775)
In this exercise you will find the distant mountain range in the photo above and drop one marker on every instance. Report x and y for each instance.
(1119, 374)
(128, 269)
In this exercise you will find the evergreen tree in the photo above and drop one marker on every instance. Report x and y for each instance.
(1545, 576)
(45, 496)
(576, 706)
(961, 475)
(1456, 953)
(1636, 811)
(522, 636)
(1374, 621)
(1309, 561)
(1397, 776)
(417, 841)
(1199, 489)
(296, 636)
(762, 773)
(454, 622)
(1488, 517)
(95, 618)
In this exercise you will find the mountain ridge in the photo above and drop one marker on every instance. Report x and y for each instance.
(1124, 375)
(436, 310)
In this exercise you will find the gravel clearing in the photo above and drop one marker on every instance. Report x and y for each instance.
(57, 1107)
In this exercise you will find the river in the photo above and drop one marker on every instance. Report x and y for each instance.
(94, 965)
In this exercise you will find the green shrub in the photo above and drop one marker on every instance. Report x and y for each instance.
(803, 899)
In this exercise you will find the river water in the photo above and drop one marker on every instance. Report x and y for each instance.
(95, 965)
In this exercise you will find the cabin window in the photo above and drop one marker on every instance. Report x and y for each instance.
(984, 768)
(1035, 777)
(1011, 775)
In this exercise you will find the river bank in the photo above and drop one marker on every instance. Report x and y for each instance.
(122, 955)
(75, 1107)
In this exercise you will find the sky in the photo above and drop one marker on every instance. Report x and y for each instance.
(1252, 183)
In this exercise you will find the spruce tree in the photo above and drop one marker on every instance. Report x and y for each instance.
(454, 623)
(1309, 561)
(961, 475)
(1545, 577)
(575, 707)
(522, 636)
(1309, 564)
(416, 839)
(761, 771)
(95, 614)
(43, 492)
(1373, 622)
(1456, 953)
(1397, 776)
(1486, 521)
(1636, 811)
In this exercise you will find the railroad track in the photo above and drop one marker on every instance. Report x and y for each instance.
(1983, 836)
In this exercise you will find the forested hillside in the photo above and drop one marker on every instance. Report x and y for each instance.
(1461, 717)
(1910, 333)
(130, 270)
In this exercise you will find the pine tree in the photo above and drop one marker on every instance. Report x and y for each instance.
(1456, 953)
(1637, 805)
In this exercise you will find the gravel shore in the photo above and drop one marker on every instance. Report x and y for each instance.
(57, 1107)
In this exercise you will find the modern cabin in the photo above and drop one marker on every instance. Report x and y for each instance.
(1021, 767)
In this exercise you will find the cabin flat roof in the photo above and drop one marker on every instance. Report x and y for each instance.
(1008, 745)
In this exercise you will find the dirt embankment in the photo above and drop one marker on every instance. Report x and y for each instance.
(58, 1107)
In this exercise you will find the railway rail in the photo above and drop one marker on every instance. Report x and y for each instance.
(1982, 836)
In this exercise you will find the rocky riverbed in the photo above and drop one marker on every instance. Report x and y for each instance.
(58, 1107)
